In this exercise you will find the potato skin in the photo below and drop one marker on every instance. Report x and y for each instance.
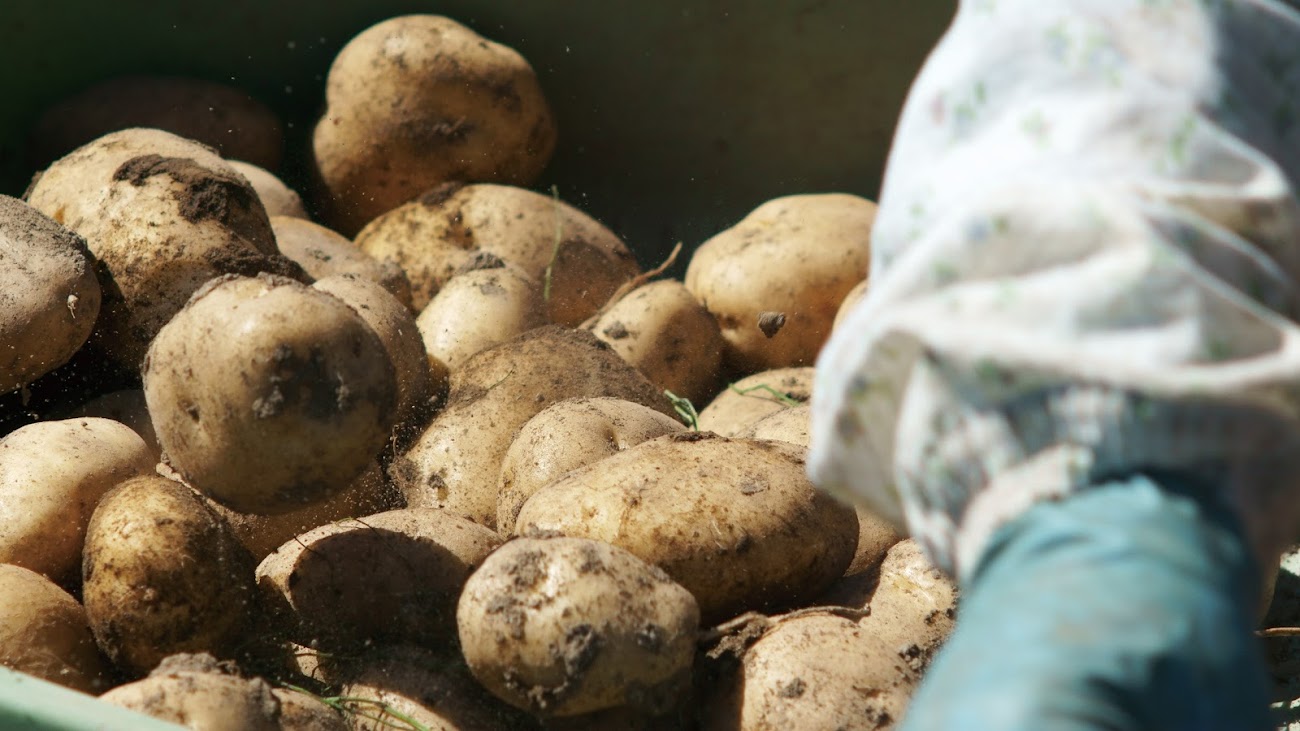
(565, 626)
(735, 521)
(797, 256)
(419, 100)
(323, 253)
(268, 395)
(277, 198)
(52, 475)
(747, 401)
(163, 574)
(44, 632)
(50, 294)
(480, 308)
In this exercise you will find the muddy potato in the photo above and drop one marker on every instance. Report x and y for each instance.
(456, 463)
(569, 435)
(269, 395)
(666, 333)
(745, 402)
(163, 574)
(434, 236)
(851, 300)
(50, 294)
(775, 280)
(324, 253)
(44, 632)
(565, 626)
(735, 521)
(482, 306)
(215, 114)
(393, 576)
(52, 475)
(126, 407)
(277, 198)
(420, 100)
(396, 328)
(162, 215)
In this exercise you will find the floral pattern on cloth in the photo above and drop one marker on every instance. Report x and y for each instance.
(1085, 264)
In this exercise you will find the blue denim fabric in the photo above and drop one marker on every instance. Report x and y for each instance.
(1128, 606)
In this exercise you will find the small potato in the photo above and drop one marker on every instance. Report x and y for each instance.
(127, 407)
(163, 574)
(52, 475)
(278, 198)
(456, 463)
(436, 235)
(217, 115)
(323, 253)
(787, 425)
(666, 333)
(735, 521)
(269, 395)
(851, 299)
(751, 399)
(419, 100)
(776, 279)
(479, 308)
(394, 576)
(44, 632)
(566, 626)
(50, 294)
(162, 215)
(569, 435)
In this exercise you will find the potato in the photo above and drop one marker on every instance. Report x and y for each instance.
(735, 521)
(163, 215)
(50, 294)
(277, 198)
(775, 280)
(851, 299)
(163, 574)
(393, 576)
(433, 689)
(482, 306)
(396, 328)
(214, 114)
(52, 474)
(914, 604)
(751, 399)
(666, 333)
(262, 534)
(269, 395)
(456, 463)
(127, 407)
(323, 253)
(44, 632)
(569, 435)
(420, 100)
(566, 626)
(814, 671)
(787, 425)
(434, 236)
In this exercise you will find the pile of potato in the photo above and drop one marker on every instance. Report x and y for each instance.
(469, 469)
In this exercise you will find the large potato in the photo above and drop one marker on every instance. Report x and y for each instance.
(277, 198)
(217, 115)
(569, 435)
(420, 100)
(324, 253)
(52, 475)
(476, 309)
(456, 462)
(747, 401)
(163, 574)
(776, 279)
(268, 395)
(163, 215)
(735, 521)
(44, 632)
(565, 626)
(436, 235)
(394, 576)
(50, 295)
(666, 333)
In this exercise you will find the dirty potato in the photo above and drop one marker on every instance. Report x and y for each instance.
(277, 198)
(324, 253)
(486, 303)
(44, 632)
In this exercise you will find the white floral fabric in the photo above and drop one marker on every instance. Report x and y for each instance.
(1086, 263)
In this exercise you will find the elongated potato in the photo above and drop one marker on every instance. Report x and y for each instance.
(565, 626)
(163, 574)
(44, 632)
(277, 198)
(269, 395)
(324, 253)
(52, 475)
(755, 397)
(488, 304)
(735, 521)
